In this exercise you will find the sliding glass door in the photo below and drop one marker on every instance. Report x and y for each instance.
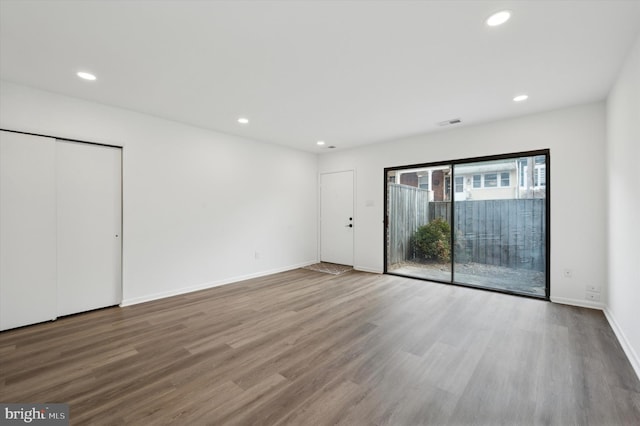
(418, 245)
(481, 222)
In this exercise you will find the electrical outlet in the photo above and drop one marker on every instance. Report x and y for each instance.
(595, 297)
(592, 288)
(567, 273)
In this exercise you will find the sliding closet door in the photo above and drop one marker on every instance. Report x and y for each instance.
(27, 230)
(89, 226)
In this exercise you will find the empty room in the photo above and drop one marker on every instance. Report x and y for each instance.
(343, 212)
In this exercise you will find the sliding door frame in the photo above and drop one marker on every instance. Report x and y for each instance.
(453, 163)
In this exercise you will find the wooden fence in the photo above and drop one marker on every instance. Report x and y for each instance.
(508, 233)
(408, 210)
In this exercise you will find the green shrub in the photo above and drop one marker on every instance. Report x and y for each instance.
(431, 241)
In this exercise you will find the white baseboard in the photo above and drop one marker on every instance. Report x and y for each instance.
(204, 286)
(631, 354)
(624, 342)
(578, 302)
(366, 269)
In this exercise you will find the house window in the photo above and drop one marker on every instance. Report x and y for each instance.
(539, 176)
(447, 188)
(459, 184)
(504, 179)
(423, 182)
(491, 180)
(539, 173)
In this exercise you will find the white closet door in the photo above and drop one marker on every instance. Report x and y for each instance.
(27, 229)
(89, 226)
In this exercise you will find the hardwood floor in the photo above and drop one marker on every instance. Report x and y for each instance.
(306, 348)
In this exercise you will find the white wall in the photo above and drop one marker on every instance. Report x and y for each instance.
(197, 204)
(576, 138)
(623, 154)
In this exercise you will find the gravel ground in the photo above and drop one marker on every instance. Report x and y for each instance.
(516, 280)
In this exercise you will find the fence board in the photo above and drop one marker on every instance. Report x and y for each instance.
(523, 240)
(504, 233)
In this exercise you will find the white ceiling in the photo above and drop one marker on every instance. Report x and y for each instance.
(347, 72)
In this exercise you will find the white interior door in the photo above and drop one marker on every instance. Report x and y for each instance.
(27, 229)
(336, 217)
(89, 226)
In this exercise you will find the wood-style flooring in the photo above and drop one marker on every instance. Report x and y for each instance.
(306, 348)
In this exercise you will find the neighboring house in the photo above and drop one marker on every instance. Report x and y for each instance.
(495, 180)
(436, 180)
(486, 181)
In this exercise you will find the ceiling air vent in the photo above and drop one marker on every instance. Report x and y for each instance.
(450, 122)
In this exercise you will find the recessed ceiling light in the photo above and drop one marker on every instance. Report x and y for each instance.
(521, 98)
(243, 120)
(498, 18)
(86, 76)
(320, 143)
